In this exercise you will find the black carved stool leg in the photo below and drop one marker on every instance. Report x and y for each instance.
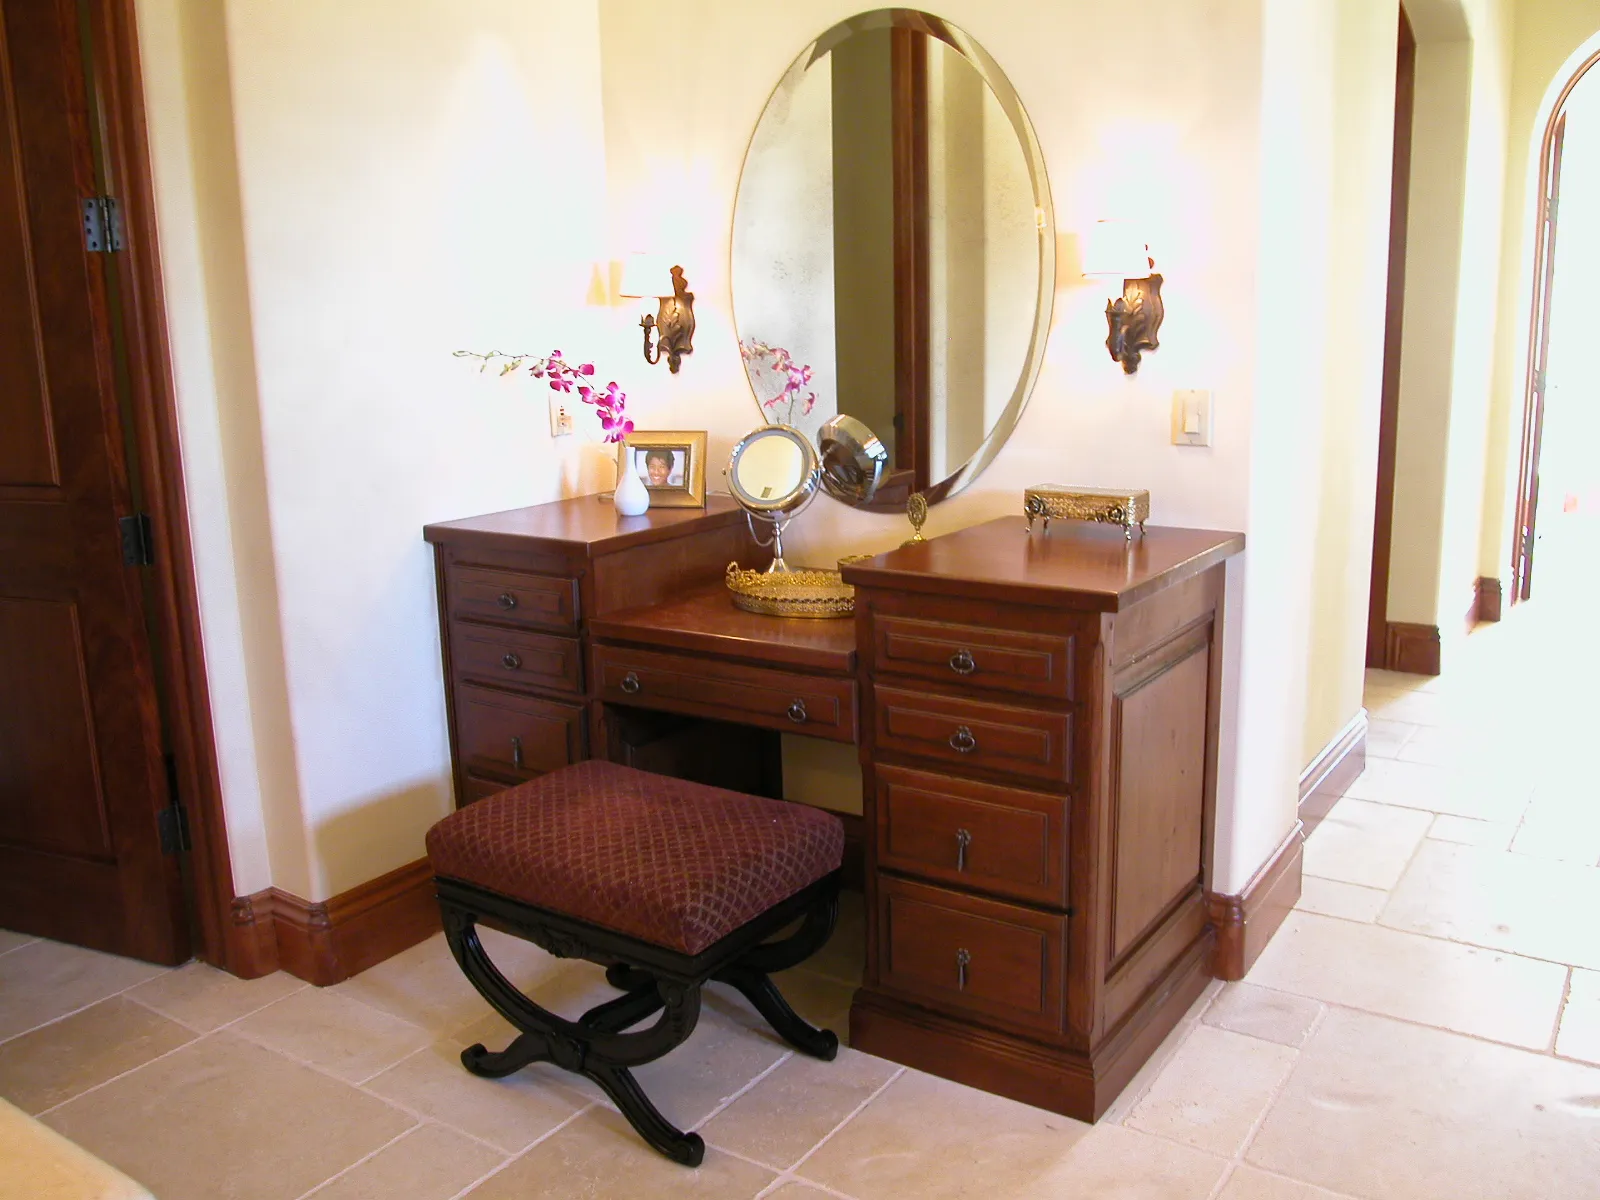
(619, 1083)
(525, 1048)
(595, 1045)
(759, 989)
(616, 1015)
(750, 975)
(627, 978)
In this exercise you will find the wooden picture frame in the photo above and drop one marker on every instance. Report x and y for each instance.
(678, 459)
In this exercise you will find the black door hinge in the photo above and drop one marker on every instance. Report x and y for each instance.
(138, 544)
(102, 225)
(172, 823)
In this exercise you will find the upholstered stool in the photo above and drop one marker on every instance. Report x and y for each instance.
(667, 884)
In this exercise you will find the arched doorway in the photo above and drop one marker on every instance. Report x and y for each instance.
(1558, 483)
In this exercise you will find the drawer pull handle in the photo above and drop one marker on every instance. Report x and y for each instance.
(630, 683)
(510, 662)
(507, 601)
(962, 741)
(962, 959)
(516, 753)
(961, 662)
(797, 712)
(963, 840)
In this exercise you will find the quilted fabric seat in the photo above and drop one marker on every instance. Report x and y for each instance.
(670, 862)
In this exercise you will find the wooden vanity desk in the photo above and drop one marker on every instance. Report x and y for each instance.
(1038, 749)
(1037, 718)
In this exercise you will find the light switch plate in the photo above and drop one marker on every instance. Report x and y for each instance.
(560, 417)
(1191, 417)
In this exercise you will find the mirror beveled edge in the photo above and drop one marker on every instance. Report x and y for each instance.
(1006, 96)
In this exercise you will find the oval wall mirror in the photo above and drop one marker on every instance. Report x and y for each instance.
(893, 251)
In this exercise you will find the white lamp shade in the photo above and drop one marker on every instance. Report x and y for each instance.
(1115, 249)
(647, 275)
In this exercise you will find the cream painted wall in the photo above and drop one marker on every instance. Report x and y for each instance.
(1452, 294)
(1553, 38)
(442, 189)
(1184, 154)
(439, 189)
(1363, 126)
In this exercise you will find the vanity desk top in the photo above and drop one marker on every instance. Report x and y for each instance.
(583, 526)
(1078, 566)
(704, 620)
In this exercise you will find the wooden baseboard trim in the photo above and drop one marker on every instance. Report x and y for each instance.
(329, 941)
(1333, 770)
(1485, 602)
(1413, 649)
(1245, 923)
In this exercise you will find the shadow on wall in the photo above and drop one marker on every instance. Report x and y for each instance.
(376, 836)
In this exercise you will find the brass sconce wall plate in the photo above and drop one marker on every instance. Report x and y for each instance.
(673, 325)
(1134, 321)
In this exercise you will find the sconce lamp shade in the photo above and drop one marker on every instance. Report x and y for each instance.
(647, 275)
(1116, 250)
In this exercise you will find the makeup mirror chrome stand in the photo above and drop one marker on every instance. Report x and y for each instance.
(774, 474)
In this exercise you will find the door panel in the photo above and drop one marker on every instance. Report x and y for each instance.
(82, 776)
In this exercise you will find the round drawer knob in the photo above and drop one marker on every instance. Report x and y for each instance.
(510, 662)
(797, 712)
(630, 683)
(962, 741)
(961, 662)
(507, 601)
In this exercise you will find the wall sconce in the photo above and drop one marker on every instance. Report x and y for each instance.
(650, 275)
(1113, 250)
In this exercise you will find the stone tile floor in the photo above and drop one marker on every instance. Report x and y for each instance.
(1427, 1024)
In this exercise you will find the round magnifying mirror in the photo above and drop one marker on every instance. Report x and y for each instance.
(773, 470)
(773, 475)
(853, 460)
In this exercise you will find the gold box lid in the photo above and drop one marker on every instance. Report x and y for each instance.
(1117, 506)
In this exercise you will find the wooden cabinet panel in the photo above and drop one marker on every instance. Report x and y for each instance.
(1034, 664)
(788, 700)
(971, 733)
(1158, 749)
(499, 657)
(963, 952)
(975, 835)
(515, 737)
(475, 788)
(514, 598)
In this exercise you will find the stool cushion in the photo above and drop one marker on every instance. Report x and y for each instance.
(670, 862)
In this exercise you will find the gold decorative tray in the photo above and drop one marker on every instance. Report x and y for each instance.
(1113, 506)
(796, 593)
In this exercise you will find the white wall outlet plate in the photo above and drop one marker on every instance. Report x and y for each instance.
(1191, 417)
(560, 416)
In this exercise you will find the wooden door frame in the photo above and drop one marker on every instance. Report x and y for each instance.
(176, 644)
(1543, 275)
(1389, 411)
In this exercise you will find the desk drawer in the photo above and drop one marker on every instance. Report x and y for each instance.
(818, 705)
(996, 839)
(971, 733)
(495, 655)
(514, 598)
(1034, 664)
(515, 737)
(951, 951)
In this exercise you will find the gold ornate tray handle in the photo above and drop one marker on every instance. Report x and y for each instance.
(794, 593)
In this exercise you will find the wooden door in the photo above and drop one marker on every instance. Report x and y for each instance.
(83, 777)
(1533, 420)
(1405, 81)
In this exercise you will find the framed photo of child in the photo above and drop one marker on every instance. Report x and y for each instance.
(671, 463)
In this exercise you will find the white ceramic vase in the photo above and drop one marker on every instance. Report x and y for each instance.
(631, 498)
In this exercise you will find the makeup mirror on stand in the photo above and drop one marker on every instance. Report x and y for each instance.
(773, 474)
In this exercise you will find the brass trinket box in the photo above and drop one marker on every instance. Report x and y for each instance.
(1112, 506)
